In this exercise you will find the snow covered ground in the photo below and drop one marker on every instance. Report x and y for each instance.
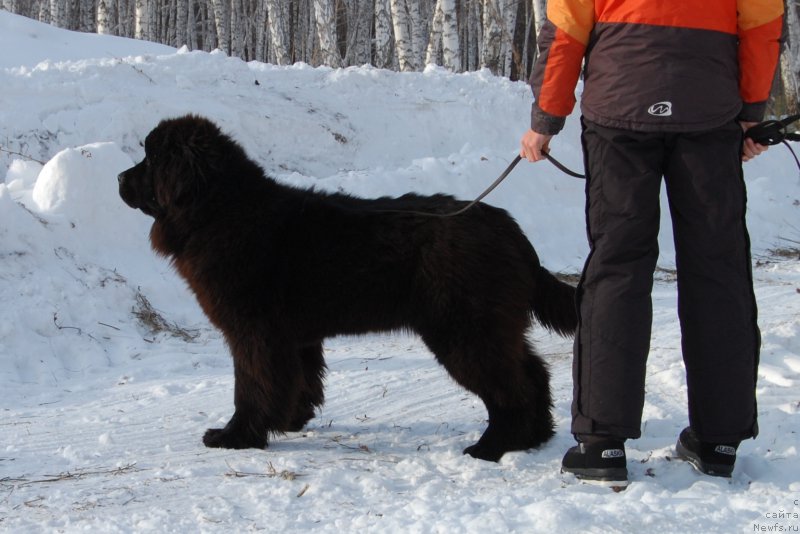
(110, 373)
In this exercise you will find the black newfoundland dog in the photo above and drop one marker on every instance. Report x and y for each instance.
(279, 269)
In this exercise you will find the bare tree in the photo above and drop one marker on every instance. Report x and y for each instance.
(492, 36)
(278, 14)
(451, 48)
(358, 31)
(222, 24)
(419, 31)
(238, 29)
(44, 11)
(435, 42)
(790, 60)
(401, 23)
(325, 17)
(508, 15)
(141, 19)
(444, 40)
(58, 12)
(473, 34)
(103, 16)
(539, 15)
(383, 34)
(182, 23)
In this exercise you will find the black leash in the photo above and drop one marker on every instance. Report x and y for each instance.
(767, 133)
(488, 190)
(468, 206)
(561, 167)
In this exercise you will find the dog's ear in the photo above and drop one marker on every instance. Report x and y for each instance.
(200, 147)
(184, 150)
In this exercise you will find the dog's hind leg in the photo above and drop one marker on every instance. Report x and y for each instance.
(514, 384)
(520, 415)
(311, 394)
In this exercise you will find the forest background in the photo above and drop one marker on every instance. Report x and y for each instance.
(402, 35)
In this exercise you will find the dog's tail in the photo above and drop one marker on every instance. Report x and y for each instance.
(553, 303)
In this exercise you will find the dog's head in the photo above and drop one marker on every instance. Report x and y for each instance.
(184, 158)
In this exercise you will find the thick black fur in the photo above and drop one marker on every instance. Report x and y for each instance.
(279, 269)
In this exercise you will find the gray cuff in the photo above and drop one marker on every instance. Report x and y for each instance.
(545, 123)
(753, 112)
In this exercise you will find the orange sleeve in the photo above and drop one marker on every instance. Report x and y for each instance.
(557, 93)
(573, 21)
(760, 29)
(573, 17)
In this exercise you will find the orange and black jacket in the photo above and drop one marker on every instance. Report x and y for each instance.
(656, 65)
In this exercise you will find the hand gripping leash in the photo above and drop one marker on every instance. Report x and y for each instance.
(772, 132)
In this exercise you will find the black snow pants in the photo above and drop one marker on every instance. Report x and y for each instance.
(720, 340)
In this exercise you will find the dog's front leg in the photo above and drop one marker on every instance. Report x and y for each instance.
(263, 393)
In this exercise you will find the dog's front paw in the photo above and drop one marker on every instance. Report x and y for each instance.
(228, 438)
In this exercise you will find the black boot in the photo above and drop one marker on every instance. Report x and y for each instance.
(599, 460)
(715, 459)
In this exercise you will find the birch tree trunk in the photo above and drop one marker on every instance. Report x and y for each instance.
(44, 12)
(435, 41)
(278, 14)
(123, 19)
(326, 33)
(492, 37)
(182, 23)
(262, 32)
(508, 13)
(402, 35)
(383, 35)
(88, 17)
(790, 60)
(69, 15)
(238, 30)
(102, 17)
(192, 24)
(304, 36)
(57, 13)
(359, 31)
(451, 49)
(222, 24)
(419, 32)
(474, 35)
(141, 24)
(444, 39)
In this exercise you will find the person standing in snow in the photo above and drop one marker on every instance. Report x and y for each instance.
(669, 89)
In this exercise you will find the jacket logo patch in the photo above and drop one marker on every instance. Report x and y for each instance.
(660, 109)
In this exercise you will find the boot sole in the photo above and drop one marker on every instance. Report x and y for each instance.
(615, 477)
(714, 470)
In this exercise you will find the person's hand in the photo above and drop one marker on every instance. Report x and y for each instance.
(533, 145)
(750, 148)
